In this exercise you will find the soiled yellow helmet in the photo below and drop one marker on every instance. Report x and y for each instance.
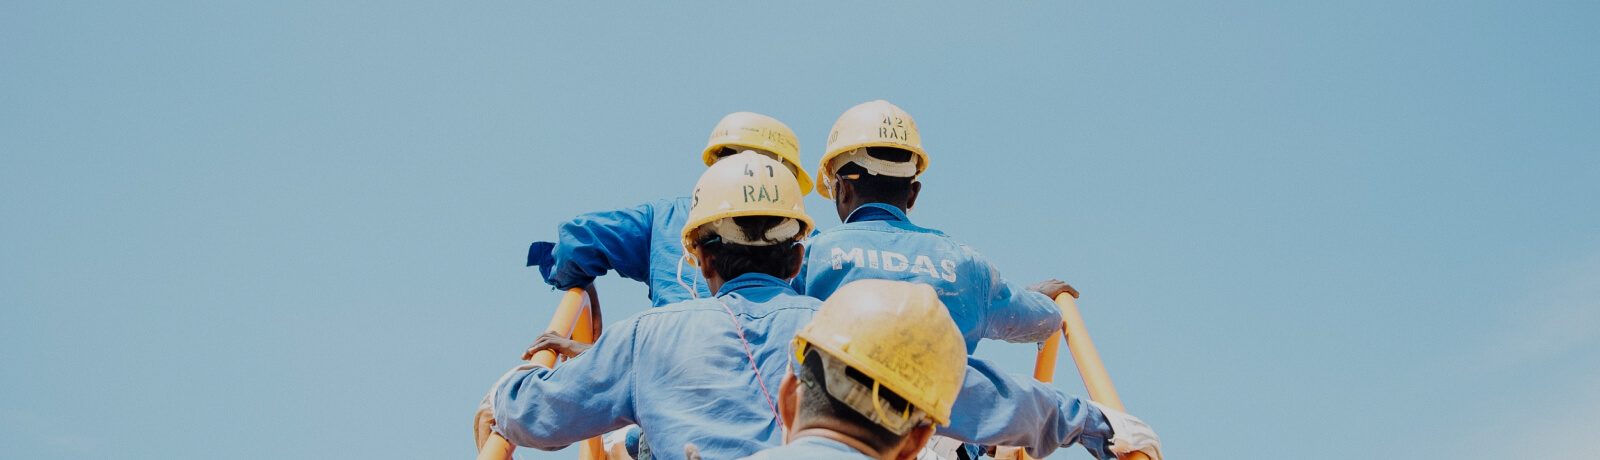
(746, 184)
(748, 130)
(901, 336)
(872, 124)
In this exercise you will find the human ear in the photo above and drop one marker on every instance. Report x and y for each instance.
(914, 442)
(788, 402)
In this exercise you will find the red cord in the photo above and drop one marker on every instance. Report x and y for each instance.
(740, 330)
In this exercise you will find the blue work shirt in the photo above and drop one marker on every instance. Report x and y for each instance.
(811, 448)
(1000, 409)
(679, 372)
(642, 243)
(877, 241)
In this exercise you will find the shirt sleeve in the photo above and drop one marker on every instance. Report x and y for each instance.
(1016, 314)
(593, 243)
(586, 396)
(1000, 409)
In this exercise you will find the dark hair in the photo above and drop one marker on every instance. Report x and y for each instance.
(730, 260)
(819, 404)
(873, 188)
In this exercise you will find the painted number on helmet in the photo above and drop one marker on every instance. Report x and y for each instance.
(770, 172)
(894, 128)
(759, 193)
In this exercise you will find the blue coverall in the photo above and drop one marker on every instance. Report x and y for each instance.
(680, 372)
(642, 243)
(877, 241)
(682, 375)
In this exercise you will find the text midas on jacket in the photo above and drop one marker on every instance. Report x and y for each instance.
(891, 261)
(877, 241)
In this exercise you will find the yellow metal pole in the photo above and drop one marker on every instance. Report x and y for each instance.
(585, 331)
(1093, 371)
(568, 312)
(1044, 370)
(572, 319)
(1044, 366)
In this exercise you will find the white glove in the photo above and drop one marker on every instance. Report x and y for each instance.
(616, 443)
(483, 421)
(1129, 434)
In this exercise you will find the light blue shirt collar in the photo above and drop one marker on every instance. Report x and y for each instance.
(876, 211)
(753, 280)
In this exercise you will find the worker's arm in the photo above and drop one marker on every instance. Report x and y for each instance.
(593, 243)
(1000, 409)
(584, 397)
(1016, 314)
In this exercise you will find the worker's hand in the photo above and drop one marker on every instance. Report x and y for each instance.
(594, 309)
(483, 421)
(616, 443)
(1053, 288)
(1006, 453)
(561, 345)
(1129, 434)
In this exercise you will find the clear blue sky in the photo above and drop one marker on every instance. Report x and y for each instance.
(296, 229)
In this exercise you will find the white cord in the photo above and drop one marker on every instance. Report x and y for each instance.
(693, 293)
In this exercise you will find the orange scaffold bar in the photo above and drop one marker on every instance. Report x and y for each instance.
(573, 319)
(1093, 371)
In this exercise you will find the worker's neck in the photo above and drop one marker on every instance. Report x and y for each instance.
(714, 281)
(835, 434)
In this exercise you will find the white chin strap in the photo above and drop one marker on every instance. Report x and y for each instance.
(730, 232)
(876, 166)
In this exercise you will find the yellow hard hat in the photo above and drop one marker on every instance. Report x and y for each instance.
(872, 124)
(750, 130)
(898, 334)
(746, 184)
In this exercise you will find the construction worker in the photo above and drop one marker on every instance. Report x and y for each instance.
(700, 370)
(874, 155)
(877, 367)
(704, 370)
(882, 362)
(641, 242)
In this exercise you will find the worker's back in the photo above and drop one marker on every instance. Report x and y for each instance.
(698, 384)
(681, 372)
(695, 381)
(879, 242)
